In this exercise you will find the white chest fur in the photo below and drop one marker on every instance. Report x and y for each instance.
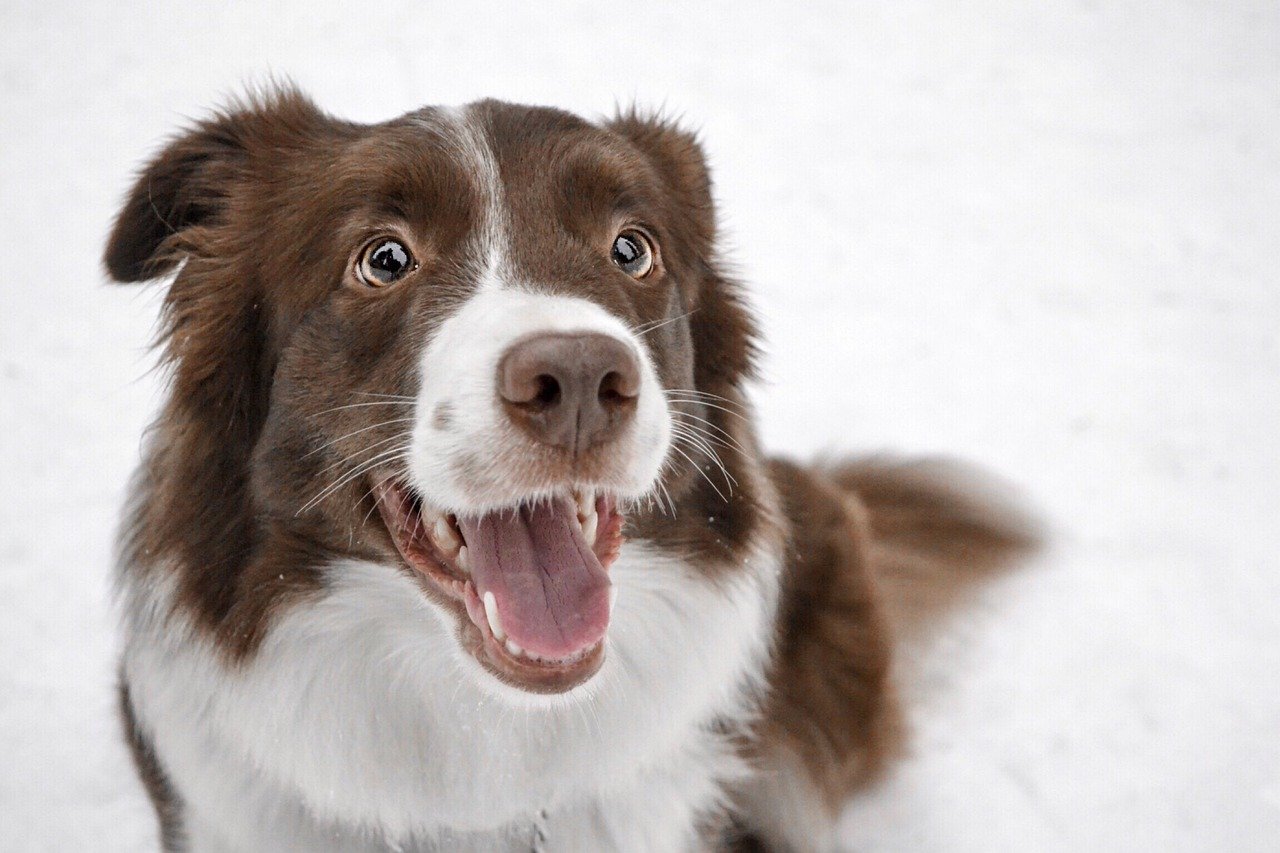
(360, 722)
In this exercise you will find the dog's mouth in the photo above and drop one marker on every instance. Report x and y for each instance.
(530, 581)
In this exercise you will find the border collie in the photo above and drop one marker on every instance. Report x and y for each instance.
(453, 531)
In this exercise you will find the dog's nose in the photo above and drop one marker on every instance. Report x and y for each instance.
(570, 390)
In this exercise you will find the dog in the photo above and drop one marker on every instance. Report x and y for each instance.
(453, 531)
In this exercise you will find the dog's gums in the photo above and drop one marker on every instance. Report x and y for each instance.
(529, 583)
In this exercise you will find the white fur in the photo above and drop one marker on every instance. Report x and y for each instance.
(360, 722)
(459, 370)
(357, 723)
(467, 137)
(784, 806)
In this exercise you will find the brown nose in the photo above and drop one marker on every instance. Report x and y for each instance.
(569, 390)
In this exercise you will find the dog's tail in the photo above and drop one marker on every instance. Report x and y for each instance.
(938, 529)
(875, 543)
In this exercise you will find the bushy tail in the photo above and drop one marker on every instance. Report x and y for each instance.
(914, 540)
(938, 529)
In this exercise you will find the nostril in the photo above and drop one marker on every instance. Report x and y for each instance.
(569, 390)
(548, 393)
(613, 390)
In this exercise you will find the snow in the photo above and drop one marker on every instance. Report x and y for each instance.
(1039, 236)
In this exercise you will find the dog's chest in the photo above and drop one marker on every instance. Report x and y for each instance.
(359, 711)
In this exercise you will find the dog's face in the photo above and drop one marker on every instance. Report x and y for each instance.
(461, 341)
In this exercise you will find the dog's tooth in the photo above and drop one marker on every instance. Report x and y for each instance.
(444, 537)
(589, 525)
(463, 560)
(491, 613)
(613, 599)
(586, 501)
(514, 649)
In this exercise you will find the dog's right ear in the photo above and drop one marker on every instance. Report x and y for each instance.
(189, 184)
(185, 185)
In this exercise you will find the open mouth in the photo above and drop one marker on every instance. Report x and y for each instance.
(531, 580)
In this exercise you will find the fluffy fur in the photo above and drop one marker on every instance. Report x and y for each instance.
(289, 681)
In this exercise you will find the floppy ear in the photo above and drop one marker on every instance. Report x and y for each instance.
(185, 185)
(723, 330)
(678, 157)
(203, 202)
(189, 183)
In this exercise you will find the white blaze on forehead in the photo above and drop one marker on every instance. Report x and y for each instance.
(468, 139)
(459, 365)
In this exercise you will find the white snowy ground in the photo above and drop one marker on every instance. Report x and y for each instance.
(1045, 241)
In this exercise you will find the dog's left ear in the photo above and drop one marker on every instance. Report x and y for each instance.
(679, 160)
(724, 332)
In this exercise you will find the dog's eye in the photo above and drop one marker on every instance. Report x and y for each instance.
(384, 261)
(633, 253)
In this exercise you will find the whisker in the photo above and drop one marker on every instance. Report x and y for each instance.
(709, 406)
(670, 502)
(694, 392)
(698, 468)
(363, 450)
(703, 438)
(376, 500)
(646, 328)
(737, 411)
(372, 509)
(363, 467)
(728, 441)
(355, 432)
(386, 396)
(360, 405)
(697, 442)
(696, 438)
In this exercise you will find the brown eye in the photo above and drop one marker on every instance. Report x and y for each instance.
(633, 253)
(384, 261)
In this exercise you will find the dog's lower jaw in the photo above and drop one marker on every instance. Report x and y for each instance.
(441, 555)
(357, 718)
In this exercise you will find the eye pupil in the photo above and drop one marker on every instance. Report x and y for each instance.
(385, 262)
(389, 258)
(632, 254)
(625, 250)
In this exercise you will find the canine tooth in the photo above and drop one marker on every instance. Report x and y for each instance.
(514, 649)
(589, 525)
(444, 536)
(613, 598)
(586, 503)
(491, 613)
(463, 559)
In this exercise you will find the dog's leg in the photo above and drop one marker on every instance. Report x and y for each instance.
(877, 550)
(165, 800)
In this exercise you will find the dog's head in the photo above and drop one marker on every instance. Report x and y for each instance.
(475, 343)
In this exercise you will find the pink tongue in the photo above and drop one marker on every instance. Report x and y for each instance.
(551, 591)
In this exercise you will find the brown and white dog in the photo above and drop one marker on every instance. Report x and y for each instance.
(454, 533)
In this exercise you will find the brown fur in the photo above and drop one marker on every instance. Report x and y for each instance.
(879, 550)
(261, 209)
(831, 701)
(938, 528)
(264, 344)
